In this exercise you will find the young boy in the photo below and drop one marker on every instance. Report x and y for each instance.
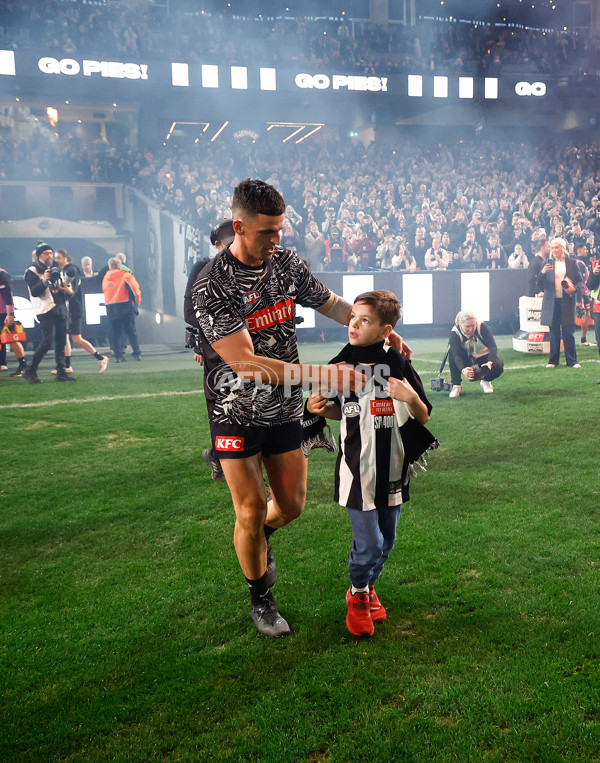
(371, 470)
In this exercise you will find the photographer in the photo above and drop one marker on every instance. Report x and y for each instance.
(473, 354)
(49, 293)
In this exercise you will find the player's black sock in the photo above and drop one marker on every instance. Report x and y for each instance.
(22, 363)
(98, 356)
(259, 590)
(67, 361)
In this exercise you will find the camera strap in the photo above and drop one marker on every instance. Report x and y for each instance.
(445, 359)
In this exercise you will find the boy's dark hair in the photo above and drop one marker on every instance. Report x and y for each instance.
(65, 254)
(385, 305)
(254, 197)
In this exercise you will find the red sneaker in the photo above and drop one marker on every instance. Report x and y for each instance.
(358, 619)
(378, 613)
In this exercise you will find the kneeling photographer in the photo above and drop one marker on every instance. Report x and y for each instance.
(473, 354)
(49, 292)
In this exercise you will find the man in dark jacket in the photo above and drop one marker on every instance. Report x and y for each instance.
(536, 265)
(49, 294)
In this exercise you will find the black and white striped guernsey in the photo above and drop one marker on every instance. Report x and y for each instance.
(370, 461)
(229, 297)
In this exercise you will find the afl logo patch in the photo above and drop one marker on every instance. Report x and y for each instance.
(250, 297)
(351, 409)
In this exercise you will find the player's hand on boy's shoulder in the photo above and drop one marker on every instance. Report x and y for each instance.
(400, 389)
(396, 341)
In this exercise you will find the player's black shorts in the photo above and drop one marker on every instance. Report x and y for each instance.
(237, 441)
(75, 324)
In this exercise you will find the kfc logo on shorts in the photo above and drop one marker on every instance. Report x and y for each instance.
(229, 443)
(250, 297)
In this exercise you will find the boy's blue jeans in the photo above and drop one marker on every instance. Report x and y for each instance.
(374, 535)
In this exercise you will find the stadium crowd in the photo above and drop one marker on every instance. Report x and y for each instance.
(414, 206)
(418, 206)
(216, 30)
(471, 205)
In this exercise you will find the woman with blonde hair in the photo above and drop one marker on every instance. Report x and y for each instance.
(473, 353)
(559, 279)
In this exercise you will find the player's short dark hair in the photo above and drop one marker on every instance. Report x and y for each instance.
(385, 304)
(254, 197)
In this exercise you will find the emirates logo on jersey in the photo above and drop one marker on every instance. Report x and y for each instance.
(270, 316)
(382, 407)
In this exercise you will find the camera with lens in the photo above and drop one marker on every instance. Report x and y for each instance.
(440, 385)
(55, 275)
(336, 256)
(193, 340)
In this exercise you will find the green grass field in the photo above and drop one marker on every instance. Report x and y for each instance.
(125, 627)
